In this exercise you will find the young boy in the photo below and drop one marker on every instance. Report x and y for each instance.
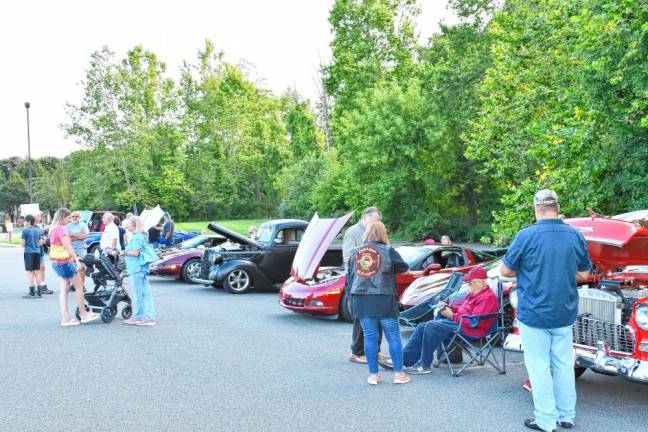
(31, 241)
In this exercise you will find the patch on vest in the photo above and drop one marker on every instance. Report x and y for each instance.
(368, 262)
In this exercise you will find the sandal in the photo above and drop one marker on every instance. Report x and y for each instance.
(70, 322)
(88, 317)
(373, 379)
(358, 359)
(383, 357)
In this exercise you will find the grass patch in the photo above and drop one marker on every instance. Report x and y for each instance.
(240, 226)
(15, 238)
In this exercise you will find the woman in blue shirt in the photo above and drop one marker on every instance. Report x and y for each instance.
(137, 269)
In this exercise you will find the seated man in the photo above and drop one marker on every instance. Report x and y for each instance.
(419, 351)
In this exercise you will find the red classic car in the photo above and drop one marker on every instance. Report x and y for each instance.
(321, 292)
(183, 260)
(611, 331)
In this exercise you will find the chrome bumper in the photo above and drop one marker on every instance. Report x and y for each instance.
(601, 361)
(208, 282)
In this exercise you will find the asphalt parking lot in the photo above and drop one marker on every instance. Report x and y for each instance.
(217, 361)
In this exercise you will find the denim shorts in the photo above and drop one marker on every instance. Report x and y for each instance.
(65, 270)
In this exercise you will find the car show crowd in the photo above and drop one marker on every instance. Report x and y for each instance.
(65, 239)
(547, 260)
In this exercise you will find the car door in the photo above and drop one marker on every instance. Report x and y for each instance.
(278, 259)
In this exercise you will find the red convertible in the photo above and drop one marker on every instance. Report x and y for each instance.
(611, 330)
(321, 291)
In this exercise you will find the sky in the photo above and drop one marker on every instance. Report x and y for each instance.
(45, 48)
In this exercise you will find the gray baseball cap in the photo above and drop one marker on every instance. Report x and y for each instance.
(545, 197)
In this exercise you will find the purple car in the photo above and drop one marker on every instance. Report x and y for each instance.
(183, 262)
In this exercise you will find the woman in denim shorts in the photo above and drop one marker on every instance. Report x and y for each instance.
(68, 270)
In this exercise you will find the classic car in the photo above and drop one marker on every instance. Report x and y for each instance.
(263, 262)
(94, 238)
(611, 330)
(200, 241)
(183, 262)
(323, 292)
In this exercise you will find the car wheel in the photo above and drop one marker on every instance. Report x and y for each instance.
(578, 371)
(345, 308)
(237, 281)
(191, 270)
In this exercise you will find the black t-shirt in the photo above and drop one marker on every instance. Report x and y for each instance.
(154, 235)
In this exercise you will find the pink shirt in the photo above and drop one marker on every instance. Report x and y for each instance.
(55, 240)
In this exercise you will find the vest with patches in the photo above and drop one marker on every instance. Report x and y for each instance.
(373, 271)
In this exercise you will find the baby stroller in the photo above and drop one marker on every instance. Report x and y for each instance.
(107, 273)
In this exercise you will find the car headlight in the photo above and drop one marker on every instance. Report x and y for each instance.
(213, 257)
(641, 316)
(513, 299)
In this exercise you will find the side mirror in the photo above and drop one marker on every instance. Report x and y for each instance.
(431, 268)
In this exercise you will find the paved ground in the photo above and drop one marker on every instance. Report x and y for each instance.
(217, 361)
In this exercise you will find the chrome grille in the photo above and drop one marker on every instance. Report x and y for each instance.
(599, 305)
(204, 265)
(588, 331)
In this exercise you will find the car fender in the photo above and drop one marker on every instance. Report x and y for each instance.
(259, 280)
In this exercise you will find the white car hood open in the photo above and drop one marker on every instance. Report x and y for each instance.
(319, 235)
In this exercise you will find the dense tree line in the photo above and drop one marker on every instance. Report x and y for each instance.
(450, 136)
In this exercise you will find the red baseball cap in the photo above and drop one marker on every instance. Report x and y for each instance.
(475, 273)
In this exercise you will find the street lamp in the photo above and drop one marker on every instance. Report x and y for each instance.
(29, 162)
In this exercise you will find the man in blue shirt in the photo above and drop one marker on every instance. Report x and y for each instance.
(30, 239)
(548, 258)
(167, 230)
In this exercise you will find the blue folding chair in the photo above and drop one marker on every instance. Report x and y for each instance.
(480, 350)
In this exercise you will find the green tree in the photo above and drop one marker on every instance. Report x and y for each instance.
(559, 107)
(129, 118)
(236, 140)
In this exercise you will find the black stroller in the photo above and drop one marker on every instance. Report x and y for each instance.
(107, 273)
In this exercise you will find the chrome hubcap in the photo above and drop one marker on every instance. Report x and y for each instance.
(238, 280)
(193, 270)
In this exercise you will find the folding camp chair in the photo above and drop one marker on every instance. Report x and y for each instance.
(480, 350)
(424, 311)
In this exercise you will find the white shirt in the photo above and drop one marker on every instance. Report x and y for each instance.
(110, 233)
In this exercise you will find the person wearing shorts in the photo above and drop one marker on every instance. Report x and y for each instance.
(67, 269)
(41, 275)
(30, 239)
(78, 231)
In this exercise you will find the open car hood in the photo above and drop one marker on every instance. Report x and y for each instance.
(613, 243)
(233, 236)
(318, 236)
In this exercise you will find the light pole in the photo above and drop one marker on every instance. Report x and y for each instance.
(29, 162)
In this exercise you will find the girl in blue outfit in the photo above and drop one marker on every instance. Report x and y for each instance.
(137, 269)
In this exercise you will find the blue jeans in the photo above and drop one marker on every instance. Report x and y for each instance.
(426, 339)
(390, 326)
(143, 301)
(549, 359)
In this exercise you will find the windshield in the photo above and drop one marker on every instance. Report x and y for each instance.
(192, 242)
(411, 254)
(264, 235)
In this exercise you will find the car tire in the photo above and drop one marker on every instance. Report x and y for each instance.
(578, 371)
(238, 281)
(188, 269)
(345, 308)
